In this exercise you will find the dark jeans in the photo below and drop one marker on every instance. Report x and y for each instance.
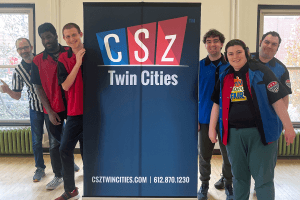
(37, 123)
(55, 133)
(205, 151)
(72, 134)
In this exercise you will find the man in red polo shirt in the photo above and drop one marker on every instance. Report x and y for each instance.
(44, 77)
(69, 72)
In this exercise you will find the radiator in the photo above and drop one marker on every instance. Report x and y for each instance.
(16, 141)
(292, 149)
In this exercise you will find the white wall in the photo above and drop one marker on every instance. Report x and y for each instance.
(234, 18)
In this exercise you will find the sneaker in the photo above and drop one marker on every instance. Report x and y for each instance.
(54, 183)
(69, 195)
(38, 174)
(220, 183)
(76, 168)
(202, 193)
(229, 192)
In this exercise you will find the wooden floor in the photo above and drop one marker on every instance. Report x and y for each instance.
(16, 183)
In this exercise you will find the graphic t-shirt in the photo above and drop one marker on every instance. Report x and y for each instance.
(240, 115)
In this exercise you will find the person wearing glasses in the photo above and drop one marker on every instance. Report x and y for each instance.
(210, 69)
(21, 77)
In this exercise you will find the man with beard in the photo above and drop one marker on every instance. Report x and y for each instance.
(268, 47)
(20, 77)
(210, 68)
(44, 77)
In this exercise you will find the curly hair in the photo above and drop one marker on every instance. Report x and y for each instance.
(214, 33)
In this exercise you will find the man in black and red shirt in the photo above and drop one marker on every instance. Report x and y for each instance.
(69, 72)
(44, 77)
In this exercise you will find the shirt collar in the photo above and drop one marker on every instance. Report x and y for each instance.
(70, 52)
(243, 70)
(25, 64)
(256, 56)
(45, 53)
(208, 61)
(272, 62)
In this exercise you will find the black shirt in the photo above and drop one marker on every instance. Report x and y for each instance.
(240, 114)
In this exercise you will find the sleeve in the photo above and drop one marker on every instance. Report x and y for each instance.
(285, 81)
(216, 93)
(62, 73)
(35, 74)
(17, 82)
(275, 89)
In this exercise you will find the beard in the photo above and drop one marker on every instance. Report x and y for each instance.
(26, 56)
(51, 47)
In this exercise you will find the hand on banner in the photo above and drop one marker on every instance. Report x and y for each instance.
(198, 126)
(212, 133)
(54, 118)
(79, 56)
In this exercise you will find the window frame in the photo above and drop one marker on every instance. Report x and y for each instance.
(24, 9)
(271, 10)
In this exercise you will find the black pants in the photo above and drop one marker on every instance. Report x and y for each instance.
(72, 134)
(205, 150)
(55, 133)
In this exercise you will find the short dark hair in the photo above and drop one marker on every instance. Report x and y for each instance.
(274, 34)
(214, 33)
(71, 25)
(19, 39)
(237, 42)
(46, 27)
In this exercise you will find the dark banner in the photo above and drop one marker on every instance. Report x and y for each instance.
(140, 102)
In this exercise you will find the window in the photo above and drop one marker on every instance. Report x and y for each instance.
(286, 21)
(16, 21)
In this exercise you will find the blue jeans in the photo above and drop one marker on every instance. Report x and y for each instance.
(37, 123)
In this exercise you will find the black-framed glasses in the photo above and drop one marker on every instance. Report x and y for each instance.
(23, 48)
(213, 41)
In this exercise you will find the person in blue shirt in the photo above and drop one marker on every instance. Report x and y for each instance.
(268, 47)
(210, 69)
(248, 99)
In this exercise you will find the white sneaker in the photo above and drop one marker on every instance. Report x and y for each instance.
(54, 183)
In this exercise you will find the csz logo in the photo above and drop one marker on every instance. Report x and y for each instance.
(156, 43)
